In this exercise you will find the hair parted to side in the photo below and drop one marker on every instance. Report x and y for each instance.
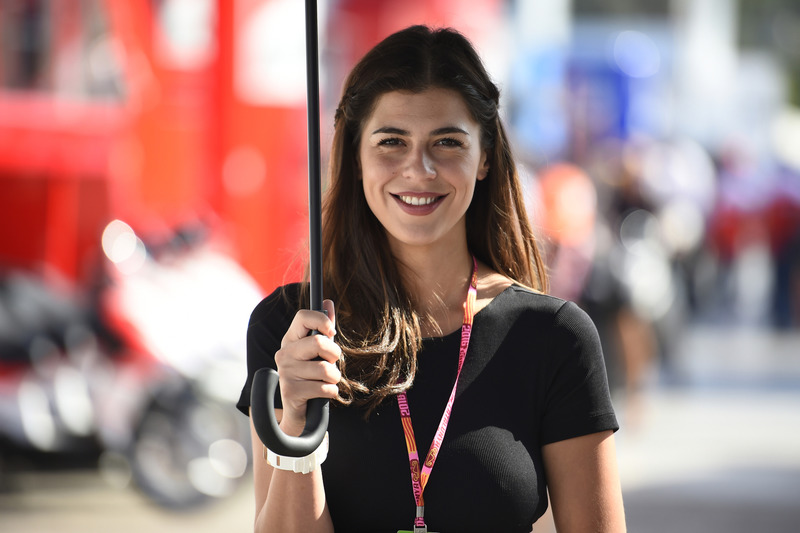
(378, 327)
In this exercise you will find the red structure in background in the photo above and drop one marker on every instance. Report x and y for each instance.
(140, 111)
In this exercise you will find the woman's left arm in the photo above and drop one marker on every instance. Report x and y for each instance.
(583, 482)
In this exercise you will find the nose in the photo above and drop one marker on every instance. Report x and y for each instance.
(420, 164)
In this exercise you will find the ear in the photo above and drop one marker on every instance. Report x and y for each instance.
(483, 168)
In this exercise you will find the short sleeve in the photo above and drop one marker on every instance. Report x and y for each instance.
(578, 400)
(268, 324)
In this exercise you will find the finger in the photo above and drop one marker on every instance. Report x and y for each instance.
(295, 394)
(304, 322)
(295, 405)
(307, 349)
(317, 371)
(320, 346)
(312, 379)
(330, 310)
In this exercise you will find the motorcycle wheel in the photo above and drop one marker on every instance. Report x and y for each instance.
(189, 450)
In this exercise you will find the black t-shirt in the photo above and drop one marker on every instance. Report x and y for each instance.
(534, 374)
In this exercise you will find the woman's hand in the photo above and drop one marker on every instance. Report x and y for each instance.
(286, 501)
(307, 365)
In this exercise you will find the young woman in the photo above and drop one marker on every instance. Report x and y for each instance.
(440, 310)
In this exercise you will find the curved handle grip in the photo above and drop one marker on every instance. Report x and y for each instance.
(262, 411)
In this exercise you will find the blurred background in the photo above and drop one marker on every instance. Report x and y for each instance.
(153, 189)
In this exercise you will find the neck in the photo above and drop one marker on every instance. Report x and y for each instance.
(438, 279)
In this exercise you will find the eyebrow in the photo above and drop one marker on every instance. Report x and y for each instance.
(438, 131)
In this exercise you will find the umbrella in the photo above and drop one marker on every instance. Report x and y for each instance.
(265, 380)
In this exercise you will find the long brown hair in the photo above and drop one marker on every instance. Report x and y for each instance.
(378, 327)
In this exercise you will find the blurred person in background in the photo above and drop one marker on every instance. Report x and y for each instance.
(755, 234)
(425, 209)
(585, 264)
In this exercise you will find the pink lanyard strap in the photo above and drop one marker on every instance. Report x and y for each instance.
(420, 478)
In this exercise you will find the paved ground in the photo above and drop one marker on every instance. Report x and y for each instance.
(80, 501)
(714, 461)
(719, 451)
(715, 450)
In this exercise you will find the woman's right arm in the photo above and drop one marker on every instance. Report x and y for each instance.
(287, 501)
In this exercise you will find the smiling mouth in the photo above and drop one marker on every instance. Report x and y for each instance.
(417, 200)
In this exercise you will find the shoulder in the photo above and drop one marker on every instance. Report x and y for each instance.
(568, 342)
(280, 305)
(511, 296)
(520, 298)
(564, 319)
(564, 312)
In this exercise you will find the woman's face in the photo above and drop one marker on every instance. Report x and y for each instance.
(420, 155)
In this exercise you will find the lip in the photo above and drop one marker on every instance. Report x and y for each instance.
(428, 202)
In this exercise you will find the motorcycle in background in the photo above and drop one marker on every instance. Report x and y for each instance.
(147, 366)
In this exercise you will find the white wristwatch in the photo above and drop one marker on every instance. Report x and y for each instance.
(299, 465)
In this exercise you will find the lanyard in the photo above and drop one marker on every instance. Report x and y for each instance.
(419, 477)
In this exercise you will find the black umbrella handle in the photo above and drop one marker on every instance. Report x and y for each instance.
(262, 406)
(265, 380)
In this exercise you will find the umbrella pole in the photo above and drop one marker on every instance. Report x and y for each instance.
(314, 170)
(265, 380)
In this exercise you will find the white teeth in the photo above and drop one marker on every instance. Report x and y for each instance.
(415, 200)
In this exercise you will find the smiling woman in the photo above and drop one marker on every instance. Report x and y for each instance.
(441, 312)
(419, 167)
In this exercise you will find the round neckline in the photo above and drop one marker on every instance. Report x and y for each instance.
(457, 332)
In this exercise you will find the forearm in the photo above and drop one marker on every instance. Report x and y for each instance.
(295, 502)
(287, 501)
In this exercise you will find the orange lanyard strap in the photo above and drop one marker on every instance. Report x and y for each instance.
(419, 476)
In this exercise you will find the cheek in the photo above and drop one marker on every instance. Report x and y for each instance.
(465, 169)
(376, 171)
(371, 187)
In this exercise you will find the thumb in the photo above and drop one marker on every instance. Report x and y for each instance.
(329, 310)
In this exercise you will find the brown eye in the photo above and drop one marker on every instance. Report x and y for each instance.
(449, 141)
